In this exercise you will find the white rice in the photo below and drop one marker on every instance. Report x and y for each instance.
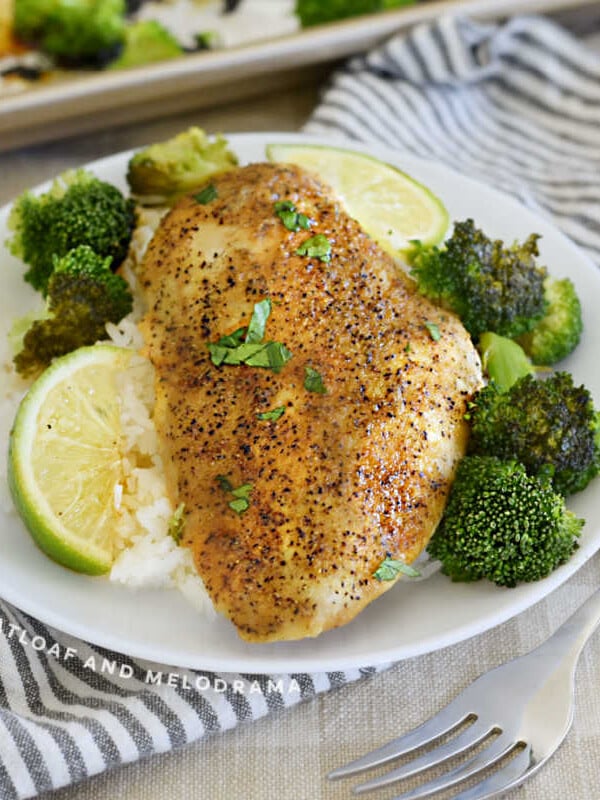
(147, 556)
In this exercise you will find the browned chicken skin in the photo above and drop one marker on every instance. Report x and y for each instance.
(341, 480)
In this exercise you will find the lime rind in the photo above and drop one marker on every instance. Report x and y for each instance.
(414, 212)
(57, 543)
(92, 554)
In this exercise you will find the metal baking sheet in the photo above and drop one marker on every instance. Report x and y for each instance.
(102, 99)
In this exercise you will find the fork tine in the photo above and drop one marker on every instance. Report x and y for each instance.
(486, 758)
(474, 734)
(502, 780)
(449, 717)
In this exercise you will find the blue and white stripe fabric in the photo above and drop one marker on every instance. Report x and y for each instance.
(516, 105)
(70, 710)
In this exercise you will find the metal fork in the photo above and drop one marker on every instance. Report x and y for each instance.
(516, 715)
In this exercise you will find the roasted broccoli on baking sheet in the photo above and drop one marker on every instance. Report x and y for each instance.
(503, 525)
(317, 12)
(162, 172)
(79, 209)
(114, 34)
(75, 32)
(490, 286)
(550, 425)
(146, 42)
(83, 295)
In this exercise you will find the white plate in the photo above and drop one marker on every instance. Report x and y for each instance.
(410, 619)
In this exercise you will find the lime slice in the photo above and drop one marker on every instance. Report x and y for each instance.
(65, 458)
(391, 206)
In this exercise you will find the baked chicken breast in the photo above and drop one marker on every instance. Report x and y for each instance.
(298, 481)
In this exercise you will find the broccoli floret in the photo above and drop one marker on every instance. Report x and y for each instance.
(78, 209)
(549, 425)
(208, 40)
(146, 42)
(84, 277)
(491, 287)
(502, 524)
(75, 32)
(83, 295)
(559, 331)
(317, 12)
(164, 171)
(503, 360)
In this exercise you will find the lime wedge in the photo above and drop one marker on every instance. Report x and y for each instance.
(391, 206)
(65, 458)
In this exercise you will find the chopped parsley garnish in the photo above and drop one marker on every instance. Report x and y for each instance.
(175, 527)
(390, 568)
(272, 415)
(313, 381)
(292, 219)
(258, 321)
(233, 339)
(206, 195)
(434, 331)
(269, 355)
(224, 483)
(317, 246)
(241, 495)
(245, 345)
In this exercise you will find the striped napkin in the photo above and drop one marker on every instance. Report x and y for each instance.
(516, 105)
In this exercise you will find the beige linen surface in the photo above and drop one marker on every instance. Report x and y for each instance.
(286, 756)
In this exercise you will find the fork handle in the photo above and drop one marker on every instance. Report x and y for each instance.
(570, 639)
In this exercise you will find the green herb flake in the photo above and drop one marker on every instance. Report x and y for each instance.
(176, 523)
(232, 339)
(206, 195)
(239, 505)
(273, 356)
(434, 331)
(244, 491)
(218, 354)
(313, 381)
(390, 568)
(241, 495)
(245, 345)
(258, 321)
(224, 483)
(317, 246)
(273, 415)
(269, 355)
(291, 218)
